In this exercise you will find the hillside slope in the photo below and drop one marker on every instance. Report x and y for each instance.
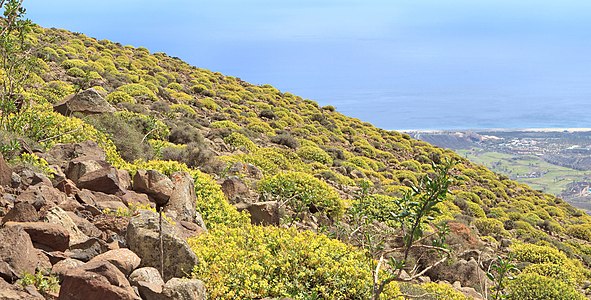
(260, 145)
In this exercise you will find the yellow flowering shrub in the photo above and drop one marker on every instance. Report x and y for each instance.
(302, 189)
(253, 262)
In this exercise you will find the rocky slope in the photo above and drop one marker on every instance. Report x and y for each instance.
(113, 132)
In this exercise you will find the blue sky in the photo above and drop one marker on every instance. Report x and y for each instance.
(398, 64)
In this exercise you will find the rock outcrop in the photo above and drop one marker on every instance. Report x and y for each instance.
(87, 102)
(143, 238)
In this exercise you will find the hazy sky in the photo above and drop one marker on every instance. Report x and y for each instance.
(398, 64)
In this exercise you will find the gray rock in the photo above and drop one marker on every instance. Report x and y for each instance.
(184, 289)
(87, 102)
(143, 239)
(87, 250)
(146, 274)
(58, 216)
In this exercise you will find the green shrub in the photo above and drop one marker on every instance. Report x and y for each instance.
(119, 96)
(555, 271)
(76, 72)
(491, 227)
(255, 262)
(224, 124)
(531, 286)
(581, 231)
(311, 153)
(443, 291)
(302, 191)
(240, 141)
(138, 91)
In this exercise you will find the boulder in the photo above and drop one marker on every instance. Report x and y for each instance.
(5, 173)
(67, 187)
(184, 289)
(17, 254)
(87, 250)
(143, 238)
(46, 236)
(21, 212)
(62, 267)
(153, 183)
(86, 102)
(131, 197)
(233, 187)
(16, 292)
(41, 197)
(61, 154)
(105, 180)
(146, 274)
(84, 225)
(111, 225)
(124, 259)
(78, 168)
(96, 281)
(124, 179)
(181, 204)
(58, 216)
(262, 213)
(70, 205)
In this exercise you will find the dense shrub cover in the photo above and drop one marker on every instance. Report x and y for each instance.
(254, 262)
(301, 190)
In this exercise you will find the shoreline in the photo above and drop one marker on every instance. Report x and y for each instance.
(549, 129)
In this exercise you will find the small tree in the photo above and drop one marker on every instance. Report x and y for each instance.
(409, 216)
(16, 60)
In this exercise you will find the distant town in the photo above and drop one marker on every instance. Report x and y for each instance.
(556, 161)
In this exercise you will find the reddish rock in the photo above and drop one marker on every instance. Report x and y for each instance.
(233, 188)
(17, 254)
(78, 168)
(105, 180)
(124, 259)
(41, 197)
(60, 217)
(46, 236)
(124, 179)
(16, 292)
(70, 204)
(84, 225)
(21, 212)
(111, 225)
(264, 213)
(63, 266)
(68, 187)
(86, 102)
(62, 154)
(153, 183)
(96, 281)
(131, 197)
(181, 204)
(5, 172)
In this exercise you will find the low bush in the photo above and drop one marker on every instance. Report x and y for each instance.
(255, 262)
(531, 286)
(302, 192)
